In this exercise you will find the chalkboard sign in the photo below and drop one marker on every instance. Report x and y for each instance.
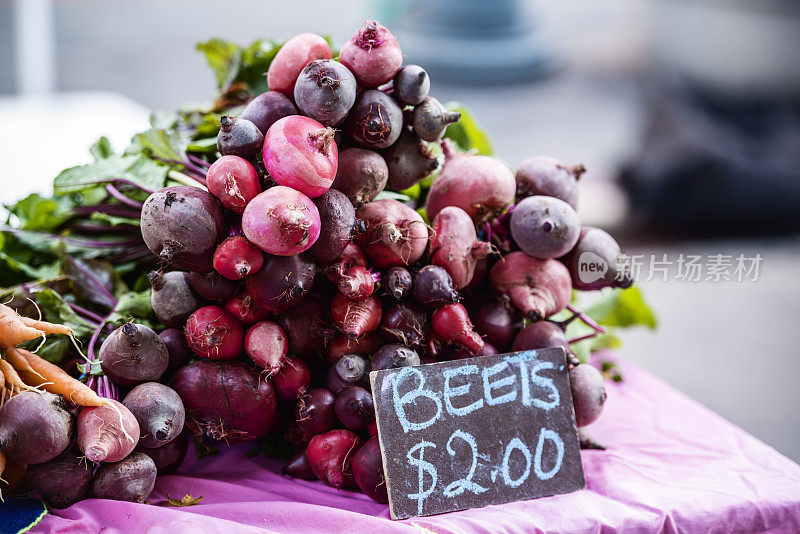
(478, 431)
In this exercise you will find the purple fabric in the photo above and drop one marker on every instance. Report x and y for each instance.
(672, 465)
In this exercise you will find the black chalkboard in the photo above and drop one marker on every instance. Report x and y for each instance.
(479, 431)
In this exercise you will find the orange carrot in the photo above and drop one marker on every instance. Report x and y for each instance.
(13, 329)
(12, 378)
(47, 328)
(55, 380)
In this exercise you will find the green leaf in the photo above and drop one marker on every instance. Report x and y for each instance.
(623, 308)
(91, 368)
(254, 64)
(38, 213)
(467, 133)
(161, 142)
(132, 306)
(55, 310)
(138, 169)
(112, 220)
(101, 149)
(400, 197)
(223, 57)
(19, 262)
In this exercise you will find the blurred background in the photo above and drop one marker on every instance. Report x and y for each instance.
(685, 112)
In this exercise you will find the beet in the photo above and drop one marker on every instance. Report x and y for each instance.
(352, 256)
(543, 175)
(298, 467)
(350, 370)
(405, 322)
(133, 354)
(314, 414)
(454, 245)
(497, 325)
(131, 479)
(177, 348)
(325, 90)
(354, 407)
(282, 282)
(62, 481)
(368, 471)
(588, 393)
(452, 325)
(267, 108)
(431, 119)
(541, 335)
(363, 346)
(309, 326)
(433, 287)
(409, 160)
(411, 85)
(168, 458)
(227, 401)
(398, 282)
(594, 251)
(34, 427)
(266, 344)
(545, 227)
(238, 137)
(182, 226)
(394, 355)
(357, 283)
(395, 236)
(361, 175)
(233, 181)
(480, 185)
(236, 257)
(537, 288)
(292, 379)
(356, 317)
(213, 286)
(172, 297)
(159, 411)
(331, 455)
(372, 54)
(107, 433)
(337, 225)
(215, 334)
(295, 54)
(375, 120)
(281, 221)
(246, 309)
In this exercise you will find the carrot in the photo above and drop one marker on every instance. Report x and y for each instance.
(55, 380)
(47, 328)
(13, 329)
(12, 378)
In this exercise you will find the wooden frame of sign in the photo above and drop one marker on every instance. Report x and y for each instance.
(479, 431)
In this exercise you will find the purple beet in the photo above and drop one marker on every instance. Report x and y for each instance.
(355, 408)
(368, 471)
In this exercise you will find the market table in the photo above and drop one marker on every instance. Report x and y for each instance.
(671, 465)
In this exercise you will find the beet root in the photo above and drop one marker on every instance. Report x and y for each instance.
(361, 175)
(355, 408)
(159, 411)
(543, 175)
(410, 160)
(331, 456)
(292, 379)
(309, 326)
(368, 471)
(454, 245)
(406, 322)
(131, 479)
(588, 393)
(168, 458)
(236, 257)
(34, 427)
(452, 325)
(372, 54)
(356, 317)
(233, 181)
(182, 226)
(107, 433)
(172, 297)
(541, 335)
(314, 413)
(411, 85)
(350, 370)
(433, 287)
(268, 108)
(497, 325)
(480, 185)
(133, 354)
(363, 346)
(395, 236)
(537, 288)
(357, 283)
(177, 347)
(214, 333)
(394, 355)
(337, 225)
(594, 261)
(212, 286)
(62, 481)
(282, 282)
(266, 344)
(298, 467)
(431, 119)
(227, 401)
(281, 221)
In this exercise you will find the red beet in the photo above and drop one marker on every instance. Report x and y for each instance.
(351, 256)
(225, 400)
(131, 479)
(212, 286)
(267, 108)
(295, 54)
(34, 427)
(363, 346)
(182, 226)
(479, 185)
(62, 481)
(355, 408)
(337, 225)
(372, 55)
(537, 288)
(496, 324)
(314, 414)
(452, 325)
(107, 433)
(282, 282)
(350, 370)
(309, 326)
(331, 455)
(172, 298)
(215, 334)
(133, 354)
(292, 379)
(298, 467)
(236, 257)
(234, 181)
(368, 471)
(179, 351)
(405, 322)
(541, 335)
(281, 221)
(168, 458)
(361, 175)
(356, 317)
(267, 345)
(159, 412)
(395, 234)
(246, 309)
(394, 355)
(356, 283)
(454, 245)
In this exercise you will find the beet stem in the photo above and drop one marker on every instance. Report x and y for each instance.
(116, 193)
(588, 321)
(88, 315)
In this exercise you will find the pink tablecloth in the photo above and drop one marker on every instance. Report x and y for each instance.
(672, 465)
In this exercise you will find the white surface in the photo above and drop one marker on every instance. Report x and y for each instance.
(42, 135)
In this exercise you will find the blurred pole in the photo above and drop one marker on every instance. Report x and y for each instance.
(474, 41)
(34, 46)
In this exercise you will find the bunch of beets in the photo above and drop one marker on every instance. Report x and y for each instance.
(297, 271)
